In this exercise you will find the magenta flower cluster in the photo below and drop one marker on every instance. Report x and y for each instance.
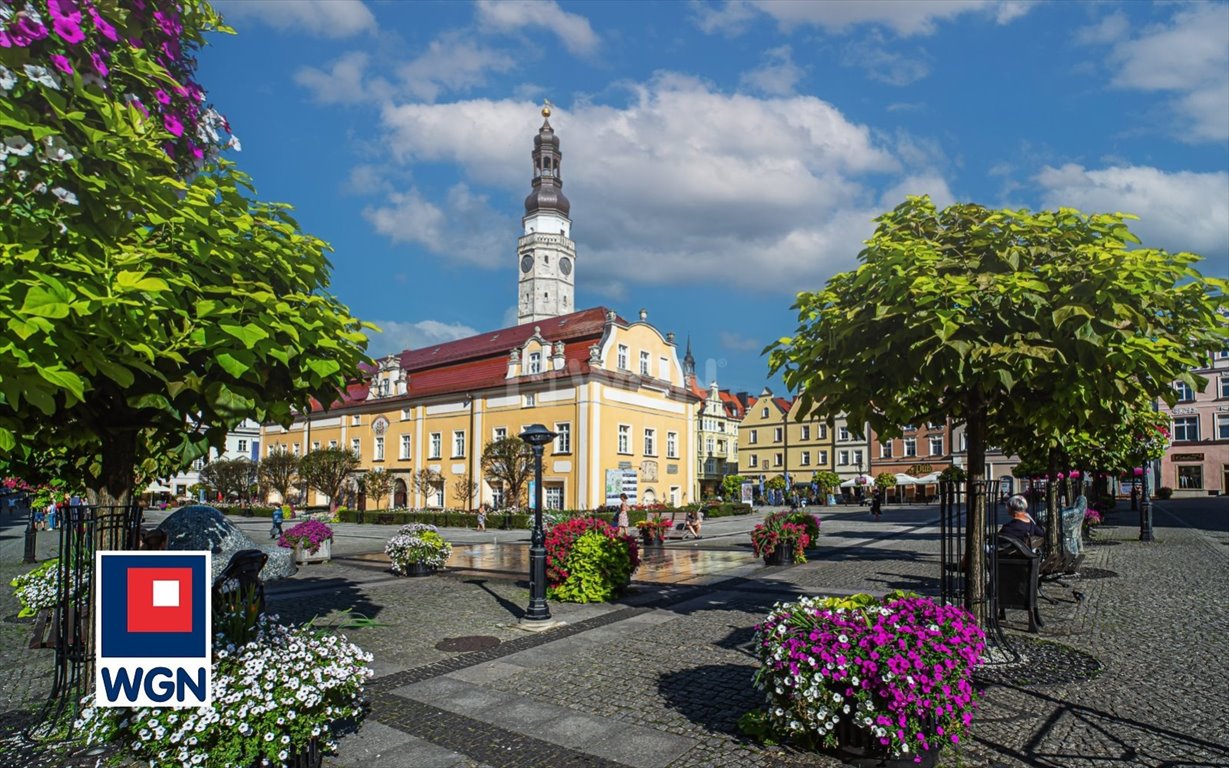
(310, 533)
(900, 670)
(77, 37)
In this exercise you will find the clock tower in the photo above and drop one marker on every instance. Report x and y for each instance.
(545, 253)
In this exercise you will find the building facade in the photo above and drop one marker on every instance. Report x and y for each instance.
(1197, 461)
(761, 448)
(717, 435)
(613, 390)
(242, 442)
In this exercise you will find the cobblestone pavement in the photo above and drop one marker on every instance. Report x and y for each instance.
(660, 678)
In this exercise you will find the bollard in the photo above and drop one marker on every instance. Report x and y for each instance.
(31, 541)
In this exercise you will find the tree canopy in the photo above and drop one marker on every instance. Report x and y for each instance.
(148, 301)
(278, 471)
(233, 478)
(376, 484)
(326, 470)
(509, 462)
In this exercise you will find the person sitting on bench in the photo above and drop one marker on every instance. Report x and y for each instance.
(692, 525)
(1021, 526)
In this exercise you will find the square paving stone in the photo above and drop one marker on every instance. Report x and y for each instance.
(640, 747)
(485, 673)
(454, 695)
(573, 729)
(378, 746)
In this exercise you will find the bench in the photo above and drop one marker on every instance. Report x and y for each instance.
(1019, 573)
(1071, 554)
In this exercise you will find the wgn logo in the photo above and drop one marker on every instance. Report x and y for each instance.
(152, 625)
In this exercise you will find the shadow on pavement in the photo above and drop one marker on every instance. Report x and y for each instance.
(512, 608)
(712, 696)
(328, 595)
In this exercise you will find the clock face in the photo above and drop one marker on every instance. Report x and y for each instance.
(565, 266)
(526, 263)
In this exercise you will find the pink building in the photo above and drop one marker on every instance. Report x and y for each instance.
(1197, 462)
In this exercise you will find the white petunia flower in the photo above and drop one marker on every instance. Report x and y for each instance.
(64, 196)
(7, 78)
(42, 76)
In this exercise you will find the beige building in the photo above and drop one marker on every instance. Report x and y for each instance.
(612, 389)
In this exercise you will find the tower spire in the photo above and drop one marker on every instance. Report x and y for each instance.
(547, 194)
(689, 363)
(546, 255)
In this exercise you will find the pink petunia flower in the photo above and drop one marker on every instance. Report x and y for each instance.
(62, 63)
(172, 124)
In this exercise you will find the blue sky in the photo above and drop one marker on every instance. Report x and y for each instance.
(719, 157)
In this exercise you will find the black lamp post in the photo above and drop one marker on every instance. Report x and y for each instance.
(537, 436)
(1145, 506)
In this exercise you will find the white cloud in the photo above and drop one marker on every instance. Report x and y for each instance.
(1109, 29)
(682, 183)
(452, 62)
(464, 227)
(398, 336)
(1188, 57)
(572, 29)
(345, 81)
(905, 17)
(777, 76)
(739, 342)
(728, 19)
(881, 63)
(1179, 211)
(320, 18)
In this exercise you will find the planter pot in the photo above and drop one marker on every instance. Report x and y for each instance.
(858, 747)
(322, 555)
(782, 555)
(419, 569)
(652, 541)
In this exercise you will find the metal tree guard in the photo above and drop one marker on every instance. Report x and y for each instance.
(953, 532)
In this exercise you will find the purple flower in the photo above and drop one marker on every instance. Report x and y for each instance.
(61, 63)
(103, 26)
(99, 63)
(172, 125)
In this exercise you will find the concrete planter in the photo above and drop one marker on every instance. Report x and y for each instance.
(322, 555)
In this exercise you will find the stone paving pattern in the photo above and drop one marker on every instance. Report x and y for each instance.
(660, 678)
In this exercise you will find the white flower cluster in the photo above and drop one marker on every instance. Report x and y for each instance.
(271, 697)
(38, 589)
(417, 543)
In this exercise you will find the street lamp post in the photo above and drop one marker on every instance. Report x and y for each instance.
(1145, 506)
(537, 436)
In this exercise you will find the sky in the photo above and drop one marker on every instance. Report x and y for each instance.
(719, 157)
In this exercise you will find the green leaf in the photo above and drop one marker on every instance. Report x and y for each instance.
(45, 302)
(232, 365)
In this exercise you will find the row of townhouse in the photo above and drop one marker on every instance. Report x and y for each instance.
(1197, 462)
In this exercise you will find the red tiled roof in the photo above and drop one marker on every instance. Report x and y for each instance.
(733, 405)
(783, 403)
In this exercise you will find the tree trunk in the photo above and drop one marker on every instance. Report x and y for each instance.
(975, 531)
(1054, 523)
(119, 449)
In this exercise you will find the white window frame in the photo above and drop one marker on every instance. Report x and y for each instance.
(621, 359)
(499, 433)
(753, 461)
(356, 447)
(777, 434)
(764, 412)
(650, 441)
(910, 446)
(806, 458)
(531, 400)
(1185, 393)
(405, 414)
(857, 457)
(315, 445)
(842, 458)
(753, 437)
(535, 362)
(823, 458)
(458, 443)
(405, 447)
(356, 420)
(378, 449)
(1187, 423)
(1224, 391)
(645, 363)
(435, 448)
(936, 440)
(778, 459)
(563, 437)
(1222, 430)
(806, 431)
(625, 440)
(842, 434)
(242, 446)
(332, 443)
(672, 445)
(552, 495)
(885, 449)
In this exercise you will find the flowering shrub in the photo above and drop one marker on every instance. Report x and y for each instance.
(311, 534)
(38, 589)
(653, 527)
(899, 669)
(798, 528)
(593, 571)
(1092, 517)
(271, 697)
(417, 543)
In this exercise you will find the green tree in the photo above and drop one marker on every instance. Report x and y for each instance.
(465, 491)
(827, 480)
(508, 462)
(1001, 320)
(885, 480)
(232, 478)
(376, 484)
(148, 301)
(732, 487)
(775, 483)
(326, 470)
(427, 482)
(279, 471)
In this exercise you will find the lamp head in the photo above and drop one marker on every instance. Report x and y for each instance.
(536, 434)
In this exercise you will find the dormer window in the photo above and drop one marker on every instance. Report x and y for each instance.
(383, 387)
(535, 362)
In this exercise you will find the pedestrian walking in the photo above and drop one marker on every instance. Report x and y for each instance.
(877, 502)
(623, 519)
(482, 518)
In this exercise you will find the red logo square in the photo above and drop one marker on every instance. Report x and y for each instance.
(159, 599)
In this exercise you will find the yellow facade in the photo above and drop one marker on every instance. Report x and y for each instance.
(613, 389)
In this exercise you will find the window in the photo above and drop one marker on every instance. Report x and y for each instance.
(885, 450)
(823, 431)
(272, 449)
(672, 445)
(405, 447)
(383, 387)
(1224, 390)
(625, 438)
(332, 443)
(964, 441)
(776, 434)
(1185, 392)
(752, 437)
(405, 414)
(842, 434)
(531, 400)
(644, 363)
(379, 449)
(842, 458)
(1186, 428)
(721, 447)
(552, 496)
(764, 413)
(1222, 428)
(936, 445)
(356, 420)
(500, 433)
(806, 458)
(296, 449)
(754, 461)
(622, 357)
(650, 442)
(911, 446)
(356, 447)
(1190, 476)
(497, 495)
(806, 431)
(458, 444)
(857, 459)
(823, 457)
(243, 446)
(563, 443)
(315, 445)
(437, 445)
(909, 428)
(535, 362)
(708, 446)
(778, 459)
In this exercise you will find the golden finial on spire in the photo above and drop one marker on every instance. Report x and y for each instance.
(546, 105)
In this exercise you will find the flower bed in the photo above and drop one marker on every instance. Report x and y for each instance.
(796, 528)
(38, 589)
(899, 669)
(417, 544)
(653, 528)
(311, 534)
(273, 698)
(587, 561)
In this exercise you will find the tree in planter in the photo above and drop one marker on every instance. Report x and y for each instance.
(279, 472)
(465, 491)
(508, 462)
(232, 478)
(996, 319)
(732, 487)
(884, 481)
(775, 483)
(326, 470)
(428, 482)
(827, 481)
(376, 484)
(151, 302)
